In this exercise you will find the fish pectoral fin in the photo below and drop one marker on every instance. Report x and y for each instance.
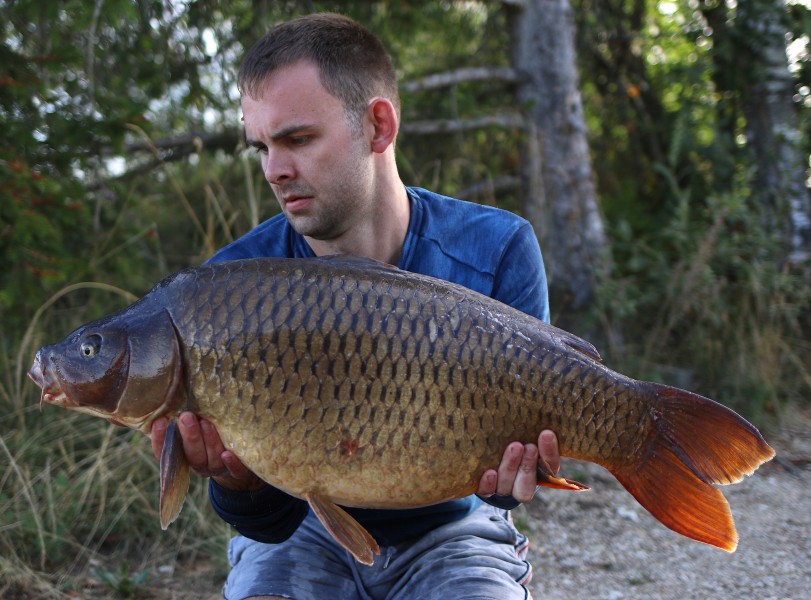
(545, 478)
(344, 528)
(174, 468)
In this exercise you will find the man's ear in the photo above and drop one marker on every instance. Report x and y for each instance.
(385, 123)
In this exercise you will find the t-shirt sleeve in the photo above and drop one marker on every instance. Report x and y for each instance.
(269, 515)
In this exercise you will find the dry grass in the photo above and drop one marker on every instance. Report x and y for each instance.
(79, 497)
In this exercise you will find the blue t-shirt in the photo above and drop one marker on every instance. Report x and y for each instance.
(486, 249)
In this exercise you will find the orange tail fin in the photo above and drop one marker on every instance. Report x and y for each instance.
(696, 443)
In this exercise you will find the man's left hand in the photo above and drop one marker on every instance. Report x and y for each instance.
(517, 473)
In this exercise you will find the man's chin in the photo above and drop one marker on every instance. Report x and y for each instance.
(308, 227)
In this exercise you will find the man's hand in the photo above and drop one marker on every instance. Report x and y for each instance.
(517, 473)
(206, 454)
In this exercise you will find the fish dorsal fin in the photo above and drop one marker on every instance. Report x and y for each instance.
(174, 469)
(576, 343)
(350, 260)
(344, 528)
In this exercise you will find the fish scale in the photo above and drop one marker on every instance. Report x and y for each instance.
(429, 380)
(347, 382)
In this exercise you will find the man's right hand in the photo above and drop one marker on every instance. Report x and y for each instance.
(206, 454)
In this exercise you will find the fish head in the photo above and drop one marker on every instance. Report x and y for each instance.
(125, 368)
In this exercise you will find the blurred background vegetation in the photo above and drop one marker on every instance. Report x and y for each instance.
(121, 160)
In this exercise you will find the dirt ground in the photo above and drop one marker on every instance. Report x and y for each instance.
(602, 545)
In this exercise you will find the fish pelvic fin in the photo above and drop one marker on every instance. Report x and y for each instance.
(174, 475)
(344, 528)
(546, 478)
(695, 443)
(561, 483)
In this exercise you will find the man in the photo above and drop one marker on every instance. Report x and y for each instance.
(320, 106)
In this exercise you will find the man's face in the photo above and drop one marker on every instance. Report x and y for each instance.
(318, 165)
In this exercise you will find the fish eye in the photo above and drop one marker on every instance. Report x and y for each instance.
(90, 346)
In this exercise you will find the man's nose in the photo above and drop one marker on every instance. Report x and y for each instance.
(277, 167)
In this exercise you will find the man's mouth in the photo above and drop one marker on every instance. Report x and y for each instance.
(297, 203)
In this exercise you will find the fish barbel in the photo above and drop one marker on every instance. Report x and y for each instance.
(344, 381)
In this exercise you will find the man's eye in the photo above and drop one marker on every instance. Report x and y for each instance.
(260, 149)
(299, 140)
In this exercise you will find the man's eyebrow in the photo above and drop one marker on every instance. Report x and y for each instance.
(248, 140)
(280, 134)
(288, 131)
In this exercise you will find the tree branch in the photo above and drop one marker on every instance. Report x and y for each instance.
(222, 140)
(490, 187)
(507, 120)
(449, 78)
(176, 148)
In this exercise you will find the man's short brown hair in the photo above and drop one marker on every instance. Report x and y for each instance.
(353, 64)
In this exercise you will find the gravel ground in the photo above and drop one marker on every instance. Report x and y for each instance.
(602, 544)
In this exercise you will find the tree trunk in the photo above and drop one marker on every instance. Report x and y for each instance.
(772, 128)
(558, 186)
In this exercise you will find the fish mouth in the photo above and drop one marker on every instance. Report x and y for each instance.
(51, 391)
(53, 394)
(36, 375)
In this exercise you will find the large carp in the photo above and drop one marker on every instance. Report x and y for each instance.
(344, 381)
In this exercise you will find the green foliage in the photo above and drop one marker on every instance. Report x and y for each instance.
(701, 305)
(40, 219)
(700, 294)
(121, 582)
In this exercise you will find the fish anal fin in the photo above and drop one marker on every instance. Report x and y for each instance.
(344, 528)
(174, 475)
(672, 493)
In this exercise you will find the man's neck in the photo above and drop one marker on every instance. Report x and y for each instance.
(382, 237)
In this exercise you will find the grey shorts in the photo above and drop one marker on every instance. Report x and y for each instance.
(481, 556)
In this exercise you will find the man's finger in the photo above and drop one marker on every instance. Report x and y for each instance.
(548, 448)
(193, 444)
(508, 468)
(526, 479)
(157, 434)
(239, 476)
(213, 445)
(488, 483)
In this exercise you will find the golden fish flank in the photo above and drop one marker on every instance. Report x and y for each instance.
(343, 381)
